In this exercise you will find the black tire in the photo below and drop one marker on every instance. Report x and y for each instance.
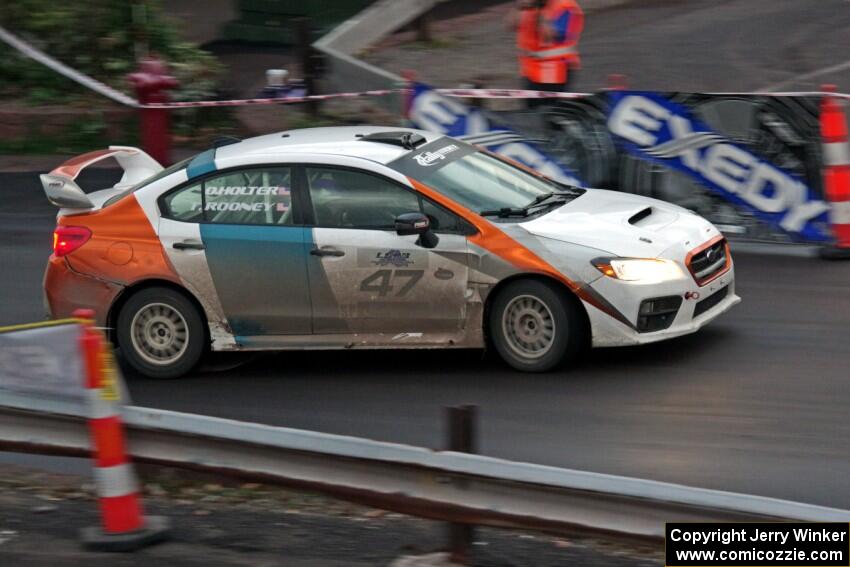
(525, 340)
(165, 315)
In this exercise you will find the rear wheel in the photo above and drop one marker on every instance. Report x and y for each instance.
(535, 327)
(160, 332)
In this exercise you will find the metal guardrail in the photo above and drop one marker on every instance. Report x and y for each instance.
(440, 485)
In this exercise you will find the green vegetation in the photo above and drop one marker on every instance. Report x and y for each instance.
(101, 38)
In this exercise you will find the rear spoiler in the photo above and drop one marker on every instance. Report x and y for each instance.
(62, 191)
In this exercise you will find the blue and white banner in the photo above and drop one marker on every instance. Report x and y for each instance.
(651, 127)
(432, 111)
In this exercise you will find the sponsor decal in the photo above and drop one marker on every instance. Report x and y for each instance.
(249, 190)
(395, 258)
(216, 203)
(431, 111)
(427, 159)
(384, 282)
(651, 127)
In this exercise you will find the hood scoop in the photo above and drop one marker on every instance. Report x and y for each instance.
(640, 215)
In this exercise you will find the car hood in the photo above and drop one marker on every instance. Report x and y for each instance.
(623, 224)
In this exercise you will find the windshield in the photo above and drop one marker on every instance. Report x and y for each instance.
(156, 177)
(482, 182)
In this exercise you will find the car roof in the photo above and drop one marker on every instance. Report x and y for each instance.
(335, 140)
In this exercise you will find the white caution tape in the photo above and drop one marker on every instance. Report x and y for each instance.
(66, 71)
(267, 101)
(507, 93)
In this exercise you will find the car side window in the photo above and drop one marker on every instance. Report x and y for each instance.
(251, 196)
(186, 204)
(442, 220)
(343, 198)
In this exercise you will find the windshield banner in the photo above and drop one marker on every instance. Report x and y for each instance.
(431, 111)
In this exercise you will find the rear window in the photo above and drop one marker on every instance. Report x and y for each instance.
(153, 178)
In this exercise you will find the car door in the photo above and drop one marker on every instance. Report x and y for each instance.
(365, 278)
(253, 244)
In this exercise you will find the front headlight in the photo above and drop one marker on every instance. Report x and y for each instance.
(641, 270)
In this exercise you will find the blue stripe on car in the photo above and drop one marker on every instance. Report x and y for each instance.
(203, 163)
(260, 275)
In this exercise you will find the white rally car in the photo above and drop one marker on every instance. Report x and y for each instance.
(368, 237)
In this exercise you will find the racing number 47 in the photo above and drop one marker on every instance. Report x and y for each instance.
(381, 282)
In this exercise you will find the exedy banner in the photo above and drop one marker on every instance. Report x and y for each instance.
(751, 164)
(651, 127)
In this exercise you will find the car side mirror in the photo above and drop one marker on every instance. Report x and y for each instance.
(417, 223)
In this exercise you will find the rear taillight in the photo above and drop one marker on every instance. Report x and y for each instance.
(66, 239)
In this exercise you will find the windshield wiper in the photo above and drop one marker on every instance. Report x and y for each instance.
(566, 187)
(540, 199)
(505, 212)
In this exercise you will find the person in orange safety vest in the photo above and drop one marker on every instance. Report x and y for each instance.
(548, 32)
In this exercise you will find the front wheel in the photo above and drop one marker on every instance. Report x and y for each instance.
(535, 326)
(160, 332)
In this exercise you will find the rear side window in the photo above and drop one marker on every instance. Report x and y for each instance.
(185, 204)
(260, 196)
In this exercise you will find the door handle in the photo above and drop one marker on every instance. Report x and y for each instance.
(326, 251)
(188, 245)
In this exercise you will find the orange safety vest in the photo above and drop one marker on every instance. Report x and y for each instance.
(547, 61)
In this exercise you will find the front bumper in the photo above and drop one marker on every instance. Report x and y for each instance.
(626, 297)
(65, 291)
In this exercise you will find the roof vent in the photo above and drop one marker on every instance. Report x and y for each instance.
(407, 140)
(225, 141)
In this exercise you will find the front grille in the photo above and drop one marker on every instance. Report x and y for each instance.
(658, 314)
(711, 301)
(708, 263)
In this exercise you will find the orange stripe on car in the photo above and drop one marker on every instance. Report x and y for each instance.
(494, 240)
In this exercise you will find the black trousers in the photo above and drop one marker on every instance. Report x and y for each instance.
(548, 87)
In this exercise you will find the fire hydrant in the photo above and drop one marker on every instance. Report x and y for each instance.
(152, 83)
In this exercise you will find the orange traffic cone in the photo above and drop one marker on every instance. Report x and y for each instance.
(123, 524)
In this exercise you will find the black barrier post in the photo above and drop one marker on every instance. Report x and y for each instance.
(307, 58)
(462, 439)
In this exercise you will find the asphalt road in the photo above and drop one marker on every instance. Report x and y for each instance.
(676, 45)
(757, 402)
